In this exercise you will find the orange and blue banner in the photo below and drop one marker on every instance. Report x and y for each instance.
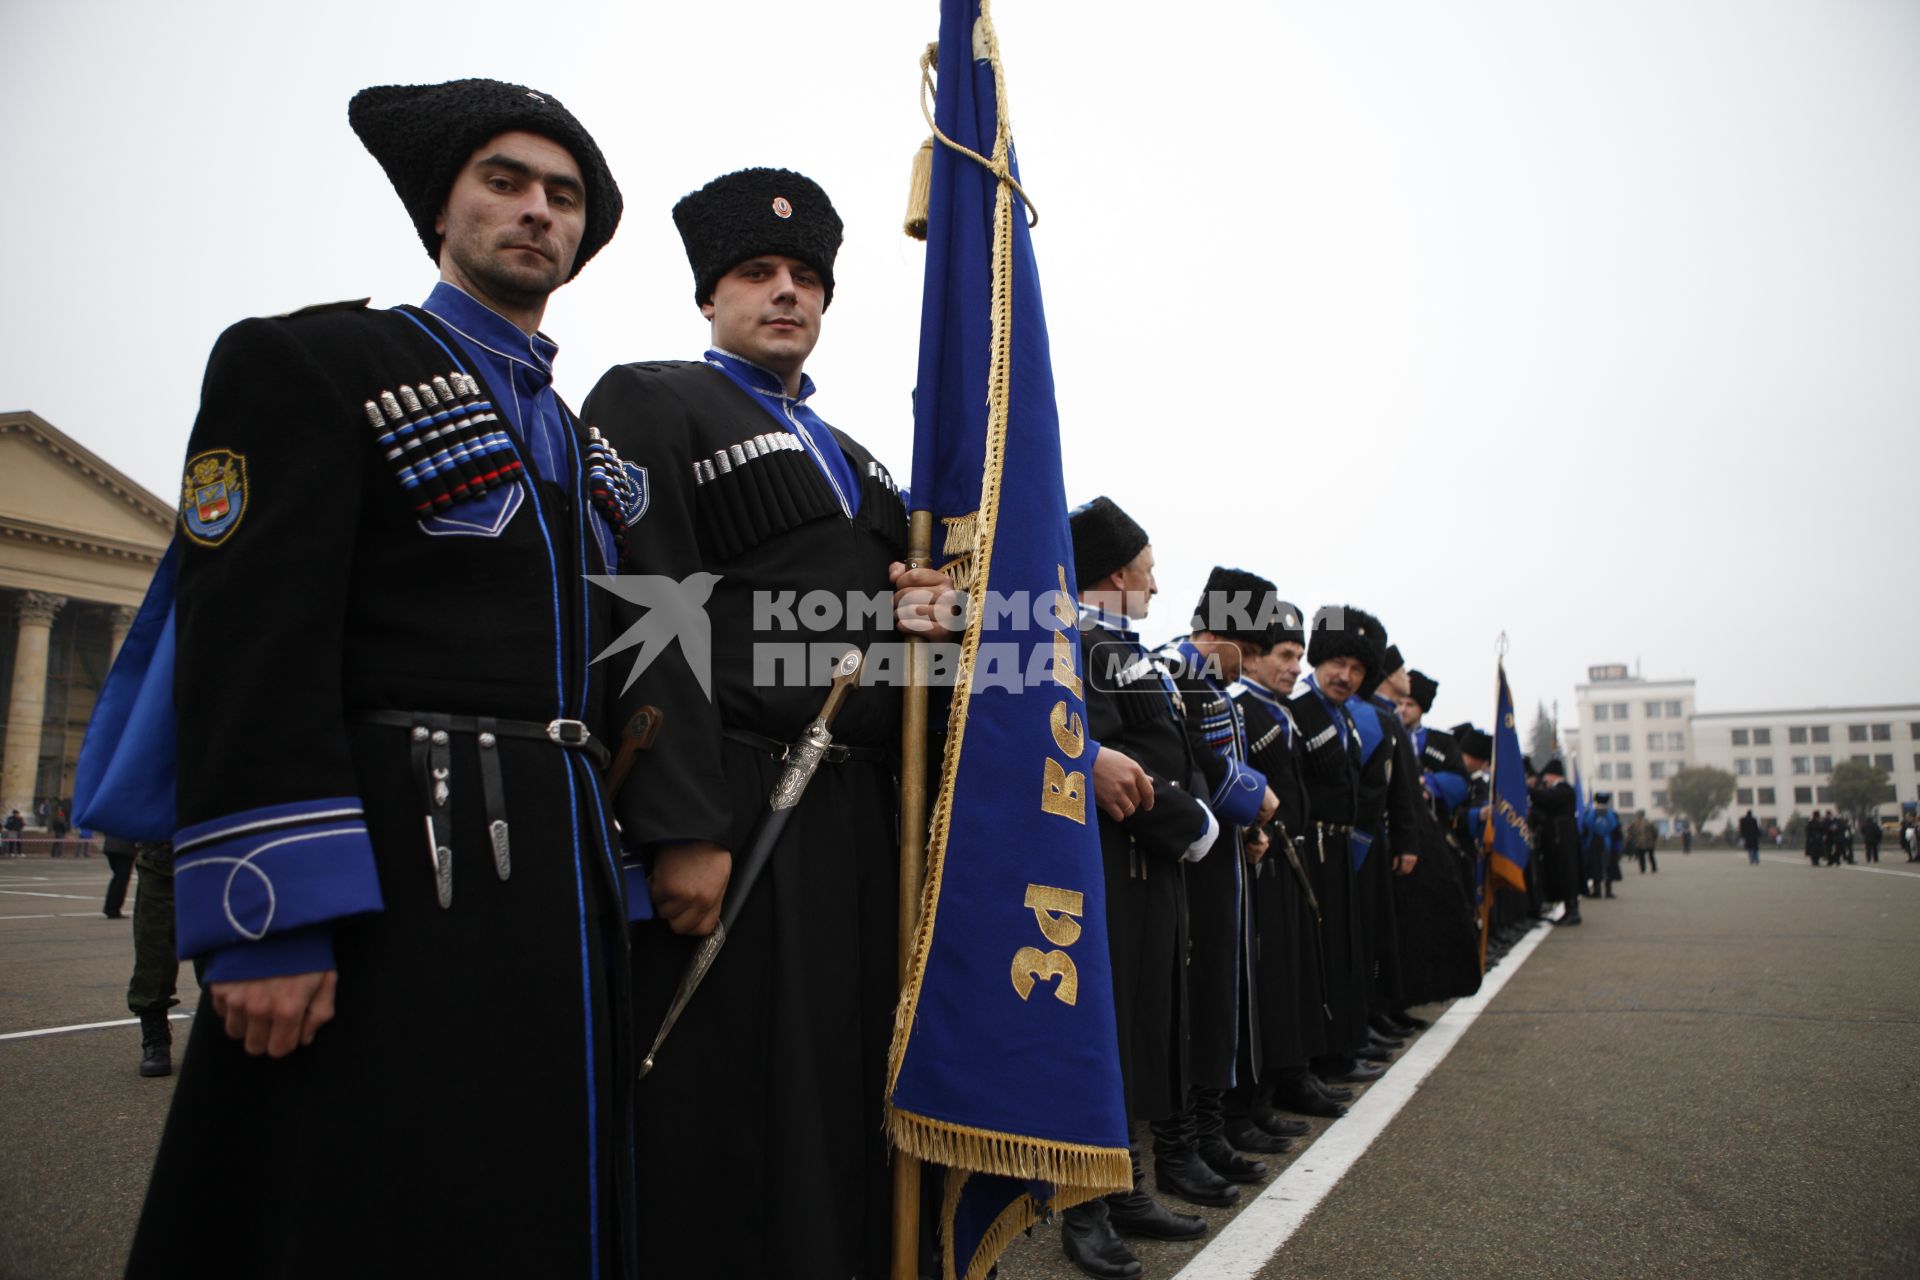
(1510, 839)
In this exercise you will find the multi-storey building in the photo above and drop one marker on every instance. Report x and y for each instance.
(1634, 734)
(1782, 761)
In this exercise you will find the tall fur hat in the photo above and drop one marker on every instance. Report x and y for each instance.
(1105, 538)
(1342, 631)
(1477, 743)
(1390, 662)
(1423, 687)
(1289, 625)
(422, 135)
(755, 211)
(1236, 605)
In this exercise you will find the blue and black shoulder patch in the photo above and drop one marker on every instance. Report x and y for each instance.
(213, 495)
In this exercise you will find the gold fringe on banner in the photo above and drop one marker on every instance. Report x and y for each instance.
(962, 550)
(1067, 1164)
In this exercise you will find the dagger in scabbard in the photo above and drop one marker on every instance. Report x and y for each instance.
(802, 759)
(642, 728)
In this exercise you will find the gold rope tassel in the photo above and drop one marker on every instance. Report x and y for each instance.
(920, 185)
(920, 191)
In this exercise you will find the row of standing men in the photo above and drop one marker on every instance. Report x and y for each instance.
(1292, 877)
(402, 562)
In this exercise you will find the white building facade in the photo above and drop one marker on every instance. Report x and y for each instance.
(1636, 733)
(1782, 761)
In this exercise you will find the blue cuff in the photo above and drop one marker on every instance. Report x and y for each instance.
(266, 872)
(633, 878)
(308, 950)
(1237, 800)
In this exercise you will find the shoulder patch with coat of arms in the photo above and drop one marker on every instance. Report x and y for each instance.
(213, 495)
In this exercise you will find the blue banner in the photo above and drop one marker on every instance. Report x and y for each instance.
(123, 783)
(1582, 802)
(1005, 1064)
(1511, 840)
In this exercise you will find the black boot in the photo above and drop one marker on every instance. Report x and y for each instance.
(1245, 1134)
(156, 1043)
(1177, 1167)
(1301, 1098)
(1218, 1155)
(1135, 1213)
(1091, 1244)
(1186, 1175)
(1360, 1073)
(1278, 1125)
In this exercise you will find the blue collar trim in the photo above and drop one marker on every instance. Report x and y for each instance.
(757, 379)
(488, 329)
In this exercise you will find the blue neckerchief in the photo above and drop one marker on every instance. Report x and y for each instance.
(1118, 623)
(1370, 732)
(519, 370)
(791, 412)
(1337, 711)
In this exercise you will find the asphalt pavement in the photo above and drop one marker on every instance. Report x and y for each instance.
(1713, 1076)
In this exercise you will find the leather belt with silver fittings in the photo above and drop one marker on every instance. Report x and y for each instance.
(430, 738)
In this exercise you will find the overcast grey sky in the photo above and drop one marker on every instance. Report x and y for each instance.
(1593, 321)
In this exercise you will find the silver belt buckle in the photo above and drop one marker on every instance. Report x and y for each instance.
(568, 733)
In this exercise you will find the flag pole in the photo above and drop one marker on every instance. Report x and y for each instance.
(1487, 890)
(913, 876)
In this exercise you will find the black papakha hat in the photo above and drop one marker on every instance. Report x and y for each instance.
(1346, 632)
(1288, 626)
(1236, 605)
(1556, 765)
(1422, 687)
(1477, 743)
(422, 135)
(1105, 538)
(1603, 797)
(756, 211)
(1391, 661)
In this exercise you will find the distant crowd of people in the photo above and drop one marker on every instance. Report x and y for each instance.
(50, 818)
(1830, 837)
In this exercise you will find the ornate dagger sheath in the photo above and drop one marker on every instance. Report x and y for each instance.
(801, 760)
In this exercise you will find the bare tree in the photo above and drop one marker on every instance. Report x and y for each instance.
(1698, 792)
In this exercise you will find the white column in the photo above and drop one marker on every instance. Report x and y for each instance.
(121, 620)
(27, 704)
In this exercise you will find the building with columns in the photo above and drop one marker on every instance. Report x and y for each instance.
(79, 542)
